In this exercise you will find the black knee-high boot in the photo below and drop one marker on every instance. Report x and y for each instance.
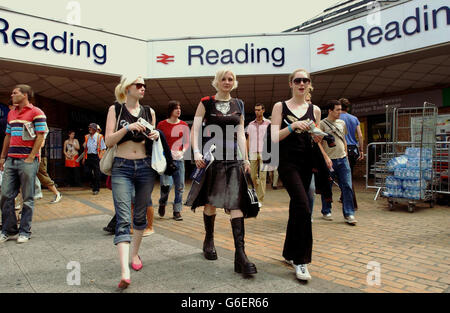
(209, 251)
(241, 262)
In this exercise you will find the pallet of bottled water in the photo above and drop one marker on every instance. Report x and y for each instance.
(411, 174)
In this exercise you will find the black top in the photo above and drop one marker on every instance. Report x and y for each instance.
(126, 118)
(298, 144)
(221, 119)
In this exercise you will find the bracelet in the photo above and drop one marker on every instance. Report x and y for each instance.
(196, 151)
(290, 128)
(126, 127)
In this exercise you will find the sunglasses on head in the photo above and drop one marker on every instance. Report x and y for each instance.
(299, 80)
(139, 85)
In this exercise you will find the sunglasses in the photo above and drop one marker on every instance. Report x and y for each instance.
(299, 80)
(139, 85)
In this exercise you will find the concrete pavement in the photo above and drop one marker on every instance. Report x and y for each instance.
(412, 250)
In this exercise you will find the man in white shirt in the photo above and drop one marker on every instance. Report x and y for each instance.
(95, 147)
(256, 130)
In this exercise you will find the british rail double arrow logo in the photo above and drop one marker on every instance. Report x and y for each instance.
(325, 49)
(165, 59)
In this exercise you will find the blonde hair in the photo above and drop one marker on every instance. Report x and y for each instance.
(310, 87)
(220, 75)
(121, 89)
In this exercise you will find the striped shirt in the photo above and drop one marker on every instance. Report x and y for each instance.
(19, 148)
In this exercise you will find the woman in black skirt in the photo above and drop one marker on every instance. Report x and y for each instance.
(297, 158)
(224, 184)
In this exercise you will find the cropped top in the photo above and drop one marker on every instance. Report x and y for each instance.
(126, 118)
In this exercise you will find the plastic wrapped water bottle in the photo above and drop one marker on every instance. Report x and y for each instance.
(412, 152)
(396, 163)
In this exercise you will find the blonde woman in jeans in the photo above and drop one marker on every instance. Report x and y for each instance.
(131, 171)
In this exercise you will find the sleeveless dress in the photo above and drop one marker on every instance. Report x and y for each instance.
(224, 185)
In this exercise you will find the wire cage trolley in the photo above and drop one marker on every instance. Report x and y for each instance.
(402, 168)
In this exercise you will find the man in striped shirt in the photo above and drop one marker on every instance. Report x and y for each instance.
(25, 132)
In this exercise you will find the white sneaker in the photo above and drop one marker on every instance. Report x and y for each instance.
(23, 239)
(350, 220)
(4, 237)
(327, 217)
(301, 271)
(57, 198)
(38, 196)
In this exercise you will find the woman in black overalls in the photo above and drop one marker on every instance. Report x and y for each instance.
(224, 185)
(297, 156)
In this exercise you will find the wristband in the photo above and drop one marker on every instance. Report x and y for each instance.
(196, 151)
(126, 127)
(290, 128)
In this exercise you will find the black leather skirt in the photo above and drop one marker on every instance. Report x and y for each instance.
(224, 186)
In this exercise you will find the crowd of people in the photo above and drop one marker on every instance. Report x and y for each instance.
(312, 153)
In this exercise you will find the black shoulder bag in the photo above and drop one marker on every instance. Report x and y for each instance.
(251, 205)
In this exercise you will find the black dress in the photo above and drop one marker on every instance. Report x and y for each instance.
(295, 170)
(224, 183)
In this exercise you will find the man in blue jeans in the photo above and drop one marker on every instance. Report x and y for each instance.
(337, 155)
(176, 132)
(25, 131)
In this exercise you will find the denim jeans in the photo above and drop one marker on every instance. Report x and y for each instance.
(131, 177)
(37, 187)
(17, 176)
(342, 171)
(311, 194)
(168, 181)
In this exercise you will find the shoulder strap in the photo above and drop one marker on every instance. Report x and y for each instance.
(207, 104)
(311, 112)
(148, 114)
(334, 129)
(99, 141)
(119, 108)
(206, 99)
(241, 106)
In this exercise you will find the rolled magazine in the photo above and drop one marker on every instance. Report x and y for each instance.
(198, 173)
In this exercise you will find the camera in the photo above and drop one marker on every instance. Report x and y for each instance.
(330, 140)
(148, 127)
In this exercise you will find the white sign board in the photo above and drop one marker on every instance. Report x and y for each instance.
(31, 39)
(253, 55)
(409, 26)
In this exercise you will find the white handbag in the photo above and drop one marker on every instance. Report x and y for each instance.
(159, 162)
(106, 162)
